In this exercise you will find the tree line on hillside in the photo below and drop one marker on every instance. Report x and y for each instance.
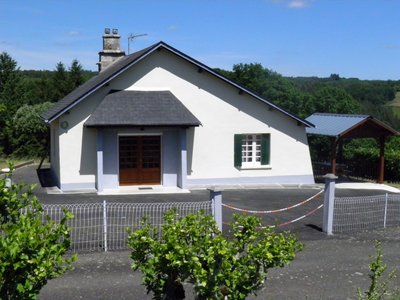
(305, 95)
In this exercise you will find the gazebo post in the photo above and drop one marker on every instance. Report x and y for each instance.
(381, 165)
(333, 156)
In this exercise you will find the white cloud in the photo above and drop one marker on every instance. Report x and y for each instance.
(172, 28)
(298, 4)
(295, 4)
(73, 33)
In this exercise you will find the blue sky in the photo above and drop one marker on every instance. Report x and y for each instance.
(353, 38)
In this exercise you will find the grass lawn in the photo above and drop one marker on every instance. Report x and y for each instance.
(395, 105)
(396, 185)
(396, 111)
(4, 161)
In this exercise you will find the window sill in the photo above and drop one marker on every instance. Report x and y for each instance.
(264, 167)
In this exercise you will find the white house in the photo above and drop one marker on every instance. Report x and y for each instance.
(158, 117)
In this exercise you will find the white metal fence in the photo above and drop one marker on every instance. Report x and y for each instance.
(353, 214)
(104, 226)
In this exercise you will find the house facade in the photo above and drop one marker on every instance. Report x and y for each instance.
(159, 117)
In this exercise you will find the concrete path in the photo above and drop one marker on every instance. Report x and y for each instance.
(367, 186)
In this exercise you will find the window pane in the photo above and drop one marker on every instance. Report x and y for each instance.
(252, 149)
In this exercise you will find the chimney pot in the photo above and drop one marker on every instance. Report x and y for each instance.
(111, 49)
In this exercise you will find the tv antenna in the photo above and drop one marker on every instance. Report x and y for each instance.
(133, 36)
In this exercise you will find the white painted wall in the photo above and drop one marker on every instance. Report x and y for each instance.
(78, 145)
(223, 113)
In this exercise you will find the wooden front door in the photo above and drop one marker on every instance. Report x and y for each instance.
(139, 160)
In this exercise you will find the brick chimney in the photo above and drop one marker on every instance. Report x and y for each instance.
(111, 49)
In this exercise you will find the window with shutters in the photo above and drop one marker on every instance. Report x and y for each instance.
(252, 150)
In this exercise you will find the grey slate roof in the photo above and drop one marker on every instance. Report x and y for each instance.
(126, 62)
(339, 124)
(141, 108)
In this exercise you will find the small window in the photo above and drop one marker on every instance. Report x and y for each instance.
(252, 150)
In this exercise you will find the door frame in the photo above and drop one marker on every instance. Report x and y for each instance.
(142, 134)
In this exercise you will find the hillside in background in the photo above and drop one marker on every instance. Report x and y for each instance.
(306, 95)
(379, 98)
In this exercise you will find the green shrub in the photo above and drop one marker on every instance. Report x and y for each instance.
(378, 288)
(31, 247)
(193, 249)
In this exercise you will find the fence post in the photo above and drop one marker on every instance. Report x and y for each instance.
(329, 198)
(216, 205)
(385, 213)
(105, 225)
(7, 177)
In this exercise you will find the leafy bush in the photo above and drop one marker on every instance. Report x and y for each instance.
(29, 135)
(378, 287)
(31, 249)
(193, 249)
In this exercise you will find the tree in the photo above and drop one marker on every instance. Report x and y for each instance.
(75, 76)
(60, 82)
(335, 100)
(10, 96)
(30, 136)
(272, 86)
(32, 246)
(334, 76)
(10, 90)
(192, 248)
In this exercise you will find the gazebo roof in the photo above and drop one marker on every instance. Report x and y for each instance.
(348, 126)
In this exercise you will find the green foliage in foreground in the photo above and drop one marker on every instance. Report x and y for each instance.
(31, 247)
(378, 288)
(193, 249)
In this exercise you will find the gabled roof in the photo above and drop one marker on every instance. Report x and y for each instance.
(128, 61)
(349, 126)
(141, 108)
